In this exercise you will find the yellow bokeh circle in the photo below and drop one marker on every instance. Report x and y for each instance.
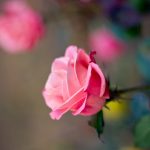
(117, 110)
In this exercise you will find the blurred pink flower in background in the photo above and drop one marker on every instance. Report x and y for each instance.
(106, 44)
(75, 83)
(20, 27)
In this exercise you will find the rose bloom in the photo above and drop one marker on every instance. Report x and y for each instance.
(107, 46)
(76, 84)
(20, 27)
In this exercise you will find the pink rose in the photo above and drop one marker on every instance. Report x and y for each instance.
(107, 46)
(20, 27)
(76, 83)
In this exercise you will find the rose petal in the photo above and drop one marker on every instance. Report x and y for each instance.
(53, 92)
(95, 81)
(79, 106)
(57, 113)
(60, 64)
(55, 79)
(71, 52)
(73, 83)
(65, 90)
(52, 100)
(93, 105)
(81, 66)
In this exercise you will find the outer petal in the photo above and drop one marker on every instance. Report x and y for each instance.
(81, 66)
(55, 79)
(72, 80)
(57, 113)
(71, 52)
(95, 82)
(60, 64)
(65, 90)
(79, 106)
(53, 100)
(54, 89)
(93, 105)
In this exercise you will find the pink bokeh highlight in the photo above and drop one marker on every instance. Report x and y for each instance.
(106, 44)
(20, 27)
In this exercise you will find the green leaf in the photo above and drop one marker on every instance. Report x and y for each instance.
(142, 132)
(97, 122)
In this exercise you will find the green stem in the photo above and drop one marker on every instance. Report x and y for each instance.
(116, 93)
(134, 89)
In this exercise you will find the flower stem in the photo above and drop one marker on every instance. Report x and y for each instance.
(134, 89)
(117, 92)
